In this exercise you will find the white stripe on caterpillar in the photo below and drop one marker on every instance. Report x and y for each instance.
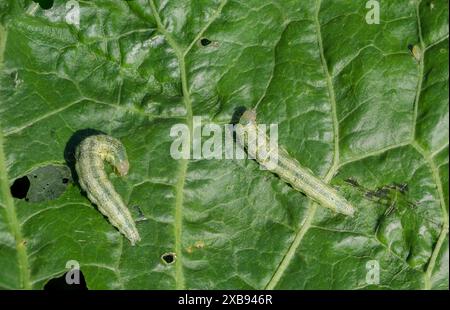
(286, 167)
(90, 155)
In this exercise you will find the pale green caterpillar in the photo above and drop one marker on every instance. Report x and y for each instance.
(286, 167)
(90, 155)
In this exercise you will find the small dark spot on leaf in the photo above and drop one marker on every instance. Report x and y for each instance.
(20, 187)
(169, 258)
(431, 5)
(65, 180)
(205, 42)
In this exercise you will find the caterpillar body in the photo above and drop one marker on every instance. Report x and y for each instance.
(286, 167)
(90, 156)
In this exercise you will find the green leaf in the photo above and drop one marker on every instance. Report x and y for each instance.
(352, 102)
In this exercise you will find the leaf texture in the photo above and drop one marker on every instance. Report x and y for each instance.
(352, 103)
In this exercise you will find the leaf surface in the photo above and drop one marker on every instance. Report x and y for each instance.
(352, 103)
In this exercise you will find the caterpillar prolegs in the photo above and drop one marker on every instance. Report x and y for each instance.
(286, 167)
(90, 156)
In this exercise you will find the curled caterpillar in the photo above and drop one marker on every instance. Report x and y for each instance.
(286, 167)
(90, 155)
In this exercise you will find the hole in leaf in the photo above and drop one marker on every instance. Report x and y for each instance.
(45, 4)
(60, 283)
(205, 42)
(20, 187)
(169, 258)
(48, 182)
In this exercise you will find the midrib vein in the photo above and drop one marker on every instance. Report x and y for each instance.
(8, 203)
(202, 31)
(13, 222)
(445, 225)
(312, 206)
(183, 164)
(429, 159)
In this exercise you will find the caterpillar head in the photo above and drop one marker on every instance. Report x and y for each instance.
(249, 116)
(122, 167)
